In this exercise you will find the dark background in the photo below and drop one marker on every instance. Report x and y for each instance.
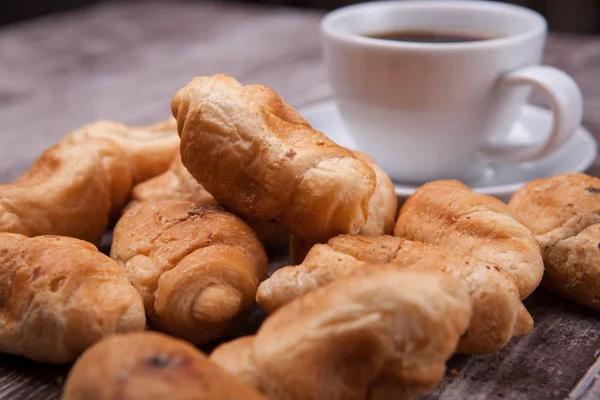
(581, 16)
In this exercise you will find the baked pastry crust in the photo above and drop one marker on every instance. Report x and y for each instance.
(498, 313)
(448, 213)
(178, 184)
(379, 333)
(76, 186)
(196, 267)
(563, 212)
(60, 295)
(383, 207)
(260, 159)
(151, 366)
(148, 150)
(68, 191)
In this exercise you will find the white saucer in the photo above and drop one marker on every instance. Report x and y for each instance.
(499, 180)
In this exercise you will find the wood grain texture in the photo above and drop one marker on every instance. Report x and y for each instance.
(545, 364)
(588, 387)
(124, 62)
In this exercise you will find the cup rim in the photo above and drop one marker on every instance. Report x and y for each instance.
(539, 25)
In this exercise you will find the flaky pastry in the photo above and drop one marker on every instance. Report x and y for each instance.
(178, 184)
(448, 213)
(498, 313)
(379, 333)
(563, 212)
(259, 158)
(196, 267)
(382, 211)
(59, 295)
(151, 366)
(75, 187)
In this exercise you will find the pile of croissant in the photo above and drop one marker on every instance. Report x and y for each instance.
(374, 306)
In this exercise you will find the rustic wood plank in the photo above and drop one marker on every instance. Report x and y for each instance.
(545, 364)
(23, 379)
(588, 388)
(124, 62)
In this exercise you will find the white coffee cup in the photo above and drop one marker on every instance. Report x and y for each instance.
(428, 111)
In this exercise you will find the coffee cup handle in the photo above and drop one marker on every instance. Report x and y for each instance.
(567, 107)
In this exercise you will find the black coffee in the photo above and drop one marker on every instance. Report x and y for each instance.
(432, 36)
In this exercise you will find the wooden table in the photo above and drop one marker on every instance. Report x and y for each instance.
(125, 61)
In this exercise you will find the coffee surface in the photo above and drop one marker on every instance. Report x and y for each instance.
(433, 36)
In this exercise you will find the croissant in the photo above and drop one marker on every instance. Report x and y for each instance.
(149, 366)
(196, 267)
(382, 211)
(448, 213)
(379, 333)
(59, 295)
(75, 187)
(260, 159)
(148, 149)
(498, 313)
(67, 191)
(563, 212)
(177, 184)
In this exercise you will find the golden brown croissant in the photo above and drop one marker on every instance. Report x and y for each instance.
(448, 213)
(66, 192)
(382, 211)
(196, 267)
(379, 333)
(260, 159)
(178, 184)
(148, 366)
(76, 185)
(498, 313)
(563, 212)
(59, 295)
(148, 149)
